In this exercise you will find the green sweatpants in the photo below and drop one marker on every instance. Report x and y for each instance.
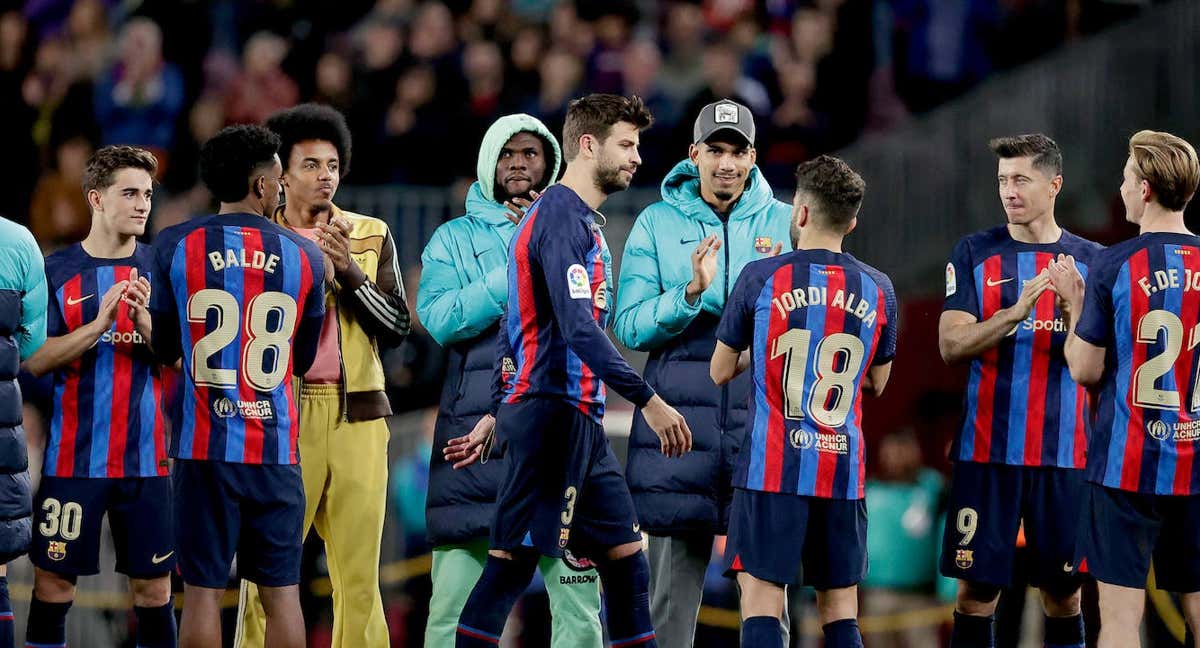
(574, 601)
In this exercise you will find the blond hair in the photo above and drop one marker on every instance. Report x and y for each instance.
(1168, 163)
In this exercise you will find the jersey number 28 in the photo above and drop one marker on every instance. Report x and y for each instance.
(269, 322)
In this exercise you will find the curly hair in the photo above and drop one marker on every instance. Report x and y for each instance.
(835, 189)
(228, 160)
(311, 121)
(102, 167)
(596, 114)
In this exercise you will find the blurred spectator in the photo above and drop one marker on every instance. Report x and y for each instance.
(17, 167)
(87, 31)
(140, 97)
(334, 82)
(262, 88)
(942, 48)
(796, 130)
(683, 30)
(561, 75)
(901, 539)
(59, 214)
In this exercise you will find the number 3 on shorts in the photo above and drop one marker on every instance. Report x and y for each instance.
(968, 520)
(569, 514)
(65, 518)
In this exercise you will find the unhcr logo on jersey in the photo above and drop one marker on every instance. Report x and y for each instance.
(1158, 430)
(223, 407)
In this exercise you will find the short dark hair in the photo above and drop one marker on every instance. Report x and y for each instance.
(596, 114)
(1044, 151)
(311, 121)
(102, 167)
(835, 189)
(230, 158)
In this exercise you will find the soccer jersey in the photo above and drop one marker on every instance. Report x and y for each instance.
(558, 305)
(1022, 408)
(107, 419)
(1142, 305)
(814, 321)
(241, 300)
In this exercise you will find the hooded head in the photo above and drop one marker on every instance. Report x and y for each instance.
(496, 143)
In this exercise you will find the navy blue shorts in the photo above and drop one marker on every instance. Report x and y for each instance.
(255, 511)
(987, 505)
(562, 488)
(1123, 530)
(792, 539)
(67, 517)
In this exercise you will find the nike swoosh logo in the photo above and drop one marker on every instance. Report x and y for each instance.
(71, 301)
(156, 559)
(993, 284)
(687, 241)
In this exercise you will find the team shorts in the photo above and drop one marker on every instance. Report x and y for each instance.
(253, 511)
(563, 490)
(67, 518)
(790, 539)
(1123, 530)
(987, 505)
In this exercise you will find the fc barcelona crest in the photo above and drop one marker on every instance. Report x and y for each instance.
(762, 244)
(964, 558)
(564, 534)
(57, 550)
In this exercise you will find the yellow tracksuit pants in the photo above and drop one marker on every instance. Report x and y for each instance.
(344, 467)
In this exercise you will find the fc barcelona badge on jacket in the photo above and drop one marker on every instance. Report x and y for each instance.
(762, 244)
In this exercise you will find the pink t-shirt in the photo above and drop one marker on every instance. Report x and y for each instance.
(326, 369)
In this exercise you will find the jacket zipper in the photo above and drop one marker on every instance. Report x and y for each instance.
(725, 387)
(341, 359)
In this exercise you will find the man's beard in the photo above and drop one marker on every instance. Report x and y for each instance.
(609, 179)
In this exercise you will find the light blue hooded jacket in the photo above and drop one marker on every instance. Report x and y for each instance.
(691, 493)
(463, 289)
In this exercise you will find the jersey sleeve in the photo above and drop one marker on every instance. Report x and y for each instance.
(164, 315)
(886, 351)
(1095, 325)
(562, 260)
(308, 332)
(960, 281)
(56, 324)
(737, 321)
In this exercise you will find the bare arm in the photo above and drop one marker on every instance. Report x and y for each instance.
(962, 337)
(876, 379)
(727, 363)
(64, 349)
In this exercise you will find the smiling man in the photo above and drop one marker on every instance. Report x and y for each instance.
(681, 262)
(1020, 452)
(107, 451)
(343, 432)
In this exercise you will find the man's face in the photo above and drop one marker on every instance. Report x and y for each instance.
(1131, 194)
(520, 167)
(1026, 191)
(313, 174)
(617, 158)
(724, 162)
(124, 206)
(271, 187)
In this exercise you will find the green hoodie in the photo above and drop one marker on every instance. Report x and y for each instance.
(464, 280)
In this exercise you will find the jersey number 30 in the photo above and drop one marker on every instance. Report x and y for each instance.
(837, 364)
(270, 320)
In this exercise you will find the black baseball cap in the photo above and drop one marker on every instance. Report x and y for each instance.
(723, 115)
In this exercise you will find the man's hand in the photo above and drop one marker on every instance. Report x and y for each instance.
(704, 267)
(1030, 293)
(517, 207)
(109, 304)
(334, 238)
(137, 297)
(465, 450)
(674, 435)
(777, 250)
(1068, 283)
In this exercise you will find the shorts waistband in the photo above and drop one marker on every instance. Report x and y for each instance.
(320, 391)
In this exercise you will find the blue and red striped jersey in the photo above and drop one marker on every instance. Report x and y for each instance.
(552, 334)
(107, 419)
(1143, 306)
(242, 301)
(815, 321)
(1021, 408)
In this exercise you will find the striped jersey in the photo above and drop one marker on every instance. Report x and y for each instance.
(1021, 408)
(552, 341)
(241, 300)
(814, 321)
(1142, 306)
(107, 419)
